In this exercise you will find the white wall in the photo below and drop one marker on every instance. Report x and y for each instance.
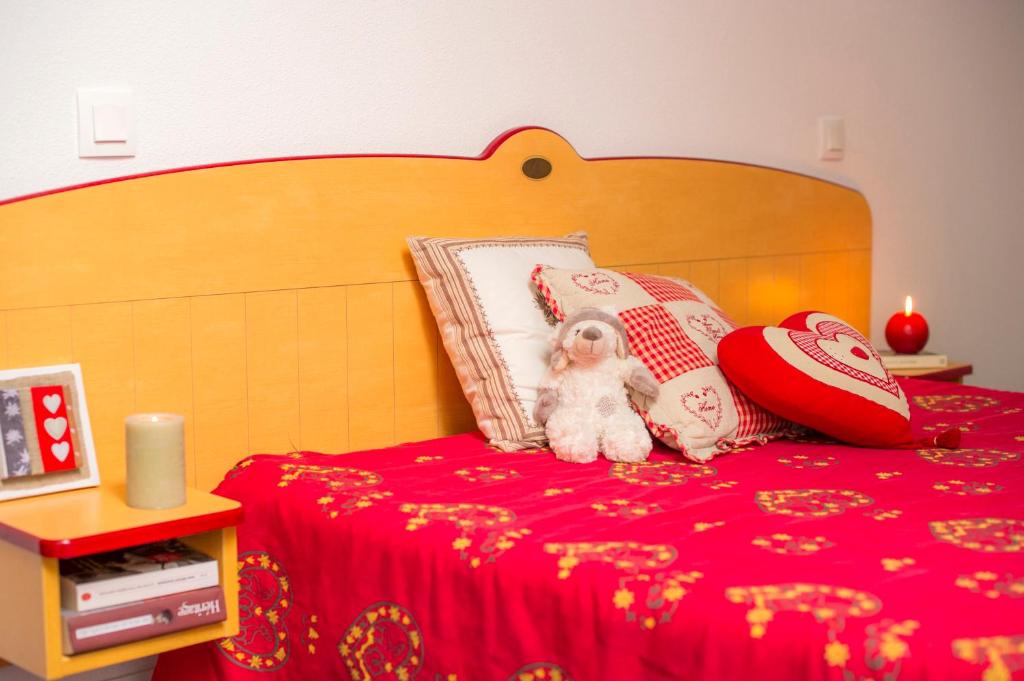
(932, 91)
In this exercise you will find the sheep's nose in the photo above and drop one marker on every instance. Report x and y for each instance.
(591, 333)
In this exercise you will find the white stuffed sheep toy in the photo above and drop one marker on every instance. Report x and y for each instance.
(583, 403)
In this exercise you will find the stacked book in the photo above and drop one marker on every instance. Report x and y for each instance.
(921, 360)
(139, 592)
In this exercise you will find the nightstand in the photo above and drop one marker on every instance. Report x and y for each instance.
(954, 372)
(37, 532)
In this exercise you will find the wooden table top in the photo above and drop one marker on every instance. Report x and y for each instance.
(85, 521)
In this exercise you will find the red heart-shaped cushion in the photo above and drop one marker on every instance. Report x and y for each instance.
(816, 370)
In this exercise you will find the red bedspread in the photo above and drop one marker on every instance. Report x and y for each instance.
(447, 560)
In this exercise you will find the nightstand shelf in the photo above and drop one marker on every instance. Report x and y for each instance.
(954, 372)
(35, 533)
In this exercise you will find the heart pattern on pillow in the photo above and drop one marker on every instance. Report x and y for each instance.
(596, 282)
(818, 371)
(674, 329)
(836, 348)
(705, 404)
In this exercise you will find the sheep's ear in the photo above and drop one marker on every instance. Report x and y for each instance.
(556, 335)
(559, 360)
(620, 347)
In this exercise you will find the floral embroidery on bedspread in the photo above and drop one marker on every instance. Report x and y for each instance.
(967, 458)
(623, 508)
(486, 474)
(660, 473)
(992, 585)
(830, 605)
(884, 645)
(264, 598)
(941, 426)
(540, 671)
(957, 404)
(1002, 655)
(494, 523)
(885, 649)
(810, 503)
(344, 485)
(962, 488)
(800, 461)
(383, 642)
(788, 545)
(310, 635)
(643, 571)
(990, 535)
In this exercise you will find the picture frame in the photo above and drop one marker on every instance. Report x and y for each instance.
(46, 442)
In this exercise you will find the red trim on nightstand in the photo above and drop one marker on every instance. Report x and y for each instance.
(948, 374)
(952, 373)
(108, 541)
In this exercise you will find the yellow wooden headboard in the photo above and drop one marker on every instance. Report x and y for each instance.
(275, 304)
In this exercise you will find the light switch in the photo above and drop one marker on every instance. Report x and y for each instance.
(109, 123)
(106, 122)
(831, 138)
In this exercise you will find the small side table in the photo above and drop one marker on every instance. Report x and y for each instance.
(954, 372)
(37, 532)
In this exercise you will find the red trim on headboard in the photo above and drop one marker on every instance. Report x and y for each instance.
(483, 156)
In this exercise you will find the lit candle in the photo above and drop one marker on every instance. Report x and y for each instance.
(907, 332)
(155, 445)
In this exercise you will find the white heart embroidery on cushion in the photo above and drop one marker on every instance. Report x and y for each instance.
(847, 350)
(60, 451)
(56, 427)
(705, 404)
(52, 403)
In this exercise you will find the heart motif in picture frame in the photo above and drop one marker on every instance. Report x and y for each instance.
(47, 432)
(60, 451)
(56, 427)
(816, 370)
(52, 402)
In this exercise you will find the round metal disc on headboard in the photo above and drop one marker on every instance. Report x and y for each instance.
(536, 167)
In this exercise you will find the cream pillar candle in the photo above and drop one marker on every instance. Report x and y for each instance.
(155, 446)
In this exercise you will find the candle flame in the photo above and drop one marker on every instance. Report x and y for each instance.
(154, 419)
(908, 306)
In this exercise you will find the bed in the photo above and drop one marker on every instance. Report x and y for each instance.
(448, 559)
(274, 303)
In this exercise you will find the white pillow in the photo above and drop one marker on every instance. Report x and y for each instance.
(493, 325)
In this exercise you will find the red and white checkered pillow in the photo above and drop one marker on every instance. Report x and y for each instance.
(674, 329)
